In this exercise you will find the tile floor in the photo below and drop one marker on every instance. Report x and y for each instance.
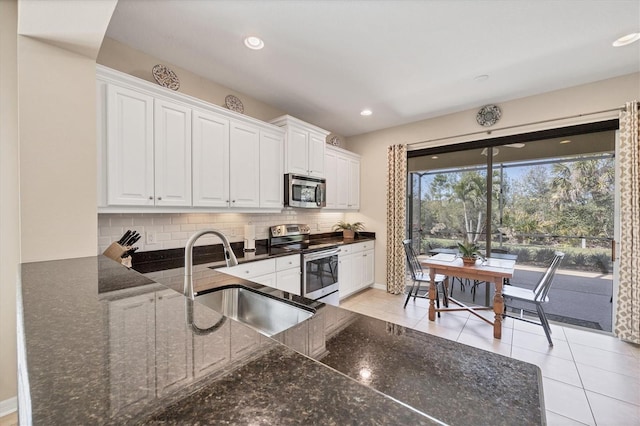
(588, 378)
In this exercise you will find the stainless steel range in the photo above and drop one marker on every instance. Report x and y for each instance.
(319, 261)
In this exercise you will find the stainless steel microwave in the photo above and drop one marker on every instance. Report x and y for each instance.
(304, 191)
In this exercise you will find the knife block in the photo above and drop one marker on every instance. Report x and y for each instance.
(115, 252)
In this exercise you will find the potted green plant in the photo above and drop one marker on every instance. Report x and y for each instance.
(469, 251)
(348, 229)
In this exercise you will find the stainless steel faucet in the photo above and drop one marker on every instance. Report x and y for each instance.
(229, 257)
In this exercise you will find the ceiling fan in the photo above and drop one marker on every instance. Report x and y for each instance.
(497, 150)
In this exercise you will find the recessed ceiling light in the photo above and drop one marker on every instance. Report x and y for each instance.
(366, 112)
(435, 157)
(626, 39)
(482, 77)
(565, 141)
(253, 42)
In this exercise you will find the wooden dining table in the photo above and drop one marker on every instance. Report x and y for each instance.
(492, 270)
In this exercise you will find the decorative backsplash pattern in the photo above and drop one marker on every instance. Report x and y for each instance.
(171, 230)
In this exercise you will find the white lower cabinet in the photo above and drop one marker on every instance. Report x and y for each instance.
(289, 281)
(282, 273)
(288, 274)
(211, 352)
(357, 267)
(244, 340)
(174, 351)
(132, 342)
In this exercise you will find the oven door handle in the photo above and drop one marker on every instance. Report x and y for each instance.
(321, 254)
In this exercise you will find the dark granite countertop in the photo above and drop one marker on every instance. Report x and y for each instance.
(106, 345)
(213, 255)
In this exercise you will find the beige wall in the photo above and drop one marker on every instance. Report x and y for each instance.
(9, 190)
(121, 57)
(372, 147)
(58, 189)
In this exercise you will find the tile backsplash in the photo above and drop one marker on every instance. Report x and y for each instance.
(172, 230)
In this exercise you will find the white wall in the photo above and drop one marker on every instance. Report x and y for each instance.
(9, 194)
(58, 189)
(372, 147)
(173, 230)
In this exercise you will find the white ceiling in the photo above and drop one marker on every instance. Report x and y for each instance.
(324, 61)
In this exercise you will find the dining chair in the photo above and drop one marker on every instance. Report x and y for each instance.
(419, 276)
(538, 296)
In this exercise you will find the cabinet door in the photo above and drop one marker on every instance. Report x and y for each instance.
(289, 281)
(357, 271)
(368, 274)
(343, 179)
(354, 184)
(130, 167)
(244, 340)
(210, 160)
(132, 351)
(269, 280)
(297, 151)
(317, 335)
(317, 145)
(244, 166)
(172, 151)
(331, 175)
(297, 338)
(345, 275)
(211, 352)
(271, 170)
(174, 356)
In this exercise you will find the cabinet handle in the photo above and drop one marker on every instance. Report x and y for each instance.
(233, 201)
(159, 198)
(151, 197)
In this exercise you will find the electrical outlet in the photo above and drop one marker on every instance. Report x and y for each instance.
(151, 237)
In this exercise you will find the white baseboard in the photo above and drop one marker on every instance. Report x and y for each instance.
(379, 286)
(8, 406)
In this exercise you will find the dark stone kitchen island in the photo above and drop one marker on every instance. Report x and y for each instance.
(106, 345)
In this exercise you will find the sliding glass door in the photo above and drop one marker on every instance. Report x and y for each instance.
(529, 200)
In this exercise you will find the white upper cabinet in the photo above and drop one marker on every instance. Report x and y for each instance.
(271, 170)
(148, 150)
(354, 184)
(129, 148)
(343, 179)
(172, 151)
(166, 150)
(331, 171)
(210, 160)
(244, 165)
(304, 147)
(317, 144)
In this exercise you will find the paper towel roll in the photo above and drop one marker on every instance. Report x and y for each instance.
(249, 237)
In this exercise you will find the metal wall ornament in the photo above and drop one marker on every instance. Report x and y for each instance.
(234, 104)
(488, 115)
(165, 77)
(334, 140)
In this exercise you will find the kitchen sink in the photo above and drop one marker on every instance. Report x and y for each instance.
(264, 313)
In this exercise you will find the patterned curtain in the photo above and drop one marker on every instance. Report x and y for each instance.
(628, 313)
(396, 199)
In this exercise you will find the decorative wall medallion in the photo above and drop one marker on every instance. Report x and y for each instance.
(488, 115)
(165, 77)
(234, 104)
(334, 140)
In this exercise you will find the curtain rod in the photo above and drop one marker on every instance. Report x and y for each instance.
(515, 126)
